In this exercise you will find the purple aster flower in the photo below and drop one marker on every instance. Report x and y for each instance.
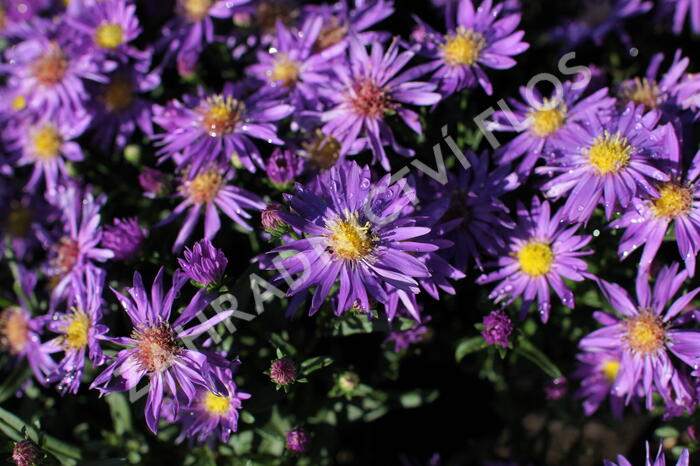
(598, 371)
(153, 182)
(204, 263)
(688, 93)
(80, 332)
(543, 249)
(214, 414)
(597, 19)
(473, 216)
(124, 238)
(298, 440)
(610, 162)
(647, 220)
(543, 123)
(283, 166)
(283, 371)
(682, 10)
(645, 334)
(497, 329)
(110, 27)
(204, 130)
(50, 75)
(118, 109)
(207, 193)
(484, 37)
(365, 90)
(270, 219)
(403, 339)
(75, 250)
(47, 144)
(156, 349)
(660, 460)
(556, 388)
(357, 234)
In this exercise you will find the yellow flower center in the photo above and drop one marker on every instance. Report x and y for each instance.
(348, 239)
(220, 114)
(19, 103)
(609, 153)
(463, 48)
(14, 330)
(547, 119)
(285, 71)
(109, 36)
(535, 258)
(119, 94)
(323, 151)
(645, 333)
(156, 347)
(50, 68)
(195, 10)
(217, 405)
(47, 142)
(675, 200)
(610, 369)
(77, 330)
(204, 188)
(640, 91)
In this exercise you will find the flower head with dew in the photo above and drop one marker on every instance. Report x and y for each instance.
(476, 39)
(598, 371)
(544, 122)
(647, 335)
(610, 162)
(207, 193)
(659, 460)
(79, 332)
(208, 130)
(647, 220)
(156, 348)
(366, 88)
(543, 250)
(356, 235)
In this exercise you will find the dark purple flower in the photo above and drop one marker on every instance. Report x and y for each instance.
(124, 238)
(660, 460)
(204, 264)
(556, 388)
(402, 340)
(283, 371)
(498, 328)
(156, 348)
(152, 181)
(283, 166)
(298, 440)
(25, 453)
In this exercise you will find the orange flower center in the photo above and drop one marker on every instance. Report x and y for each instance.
(674, 200)
(204, 188)
(156, 347)
(51, 67)
(323, 151)
(14, 330)
(369, 100)
(221, 115)
(645, 333)
(67, 253)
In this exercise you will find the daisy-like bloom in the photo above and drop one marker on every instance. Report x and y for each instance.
(291, 66)
(660, 460)
(543, 249)
(50, 75)
(645, 335)
(497, 329)
(647, 220)
(283, 166)
(156, 349)
(76, 248)
(118, 108)
(656, 93)
(610, 162)
(214, 414)
(685, 10)
(212, 129)
(472, 215)
(47, 144)
(477, 38)
(598, 371)
(207, 193)
(110, 27)
(356, 233)
(543, 122)
(80, 332)
(366, 89)
(124, 238)
(204, 263)
(597, 19)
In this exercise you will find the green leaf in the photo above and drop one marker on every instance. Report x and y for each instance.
(526, 349)
(469, 345)
(417, 398)
(121, 412)
(315, 363)
(14, 381)
(354, 325)
(666, 432)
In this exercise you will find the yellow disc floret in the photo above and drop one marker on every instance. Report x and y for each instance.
(205, 187)
(645, 333)
(47, 142)
(609, 154)
(610, 369)
(215, 404)
(548, 118)
(674, 200)
(284, 70)
(536, 258)
(463, 48)
(109, 36)
(77, 328)
(348, 240)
